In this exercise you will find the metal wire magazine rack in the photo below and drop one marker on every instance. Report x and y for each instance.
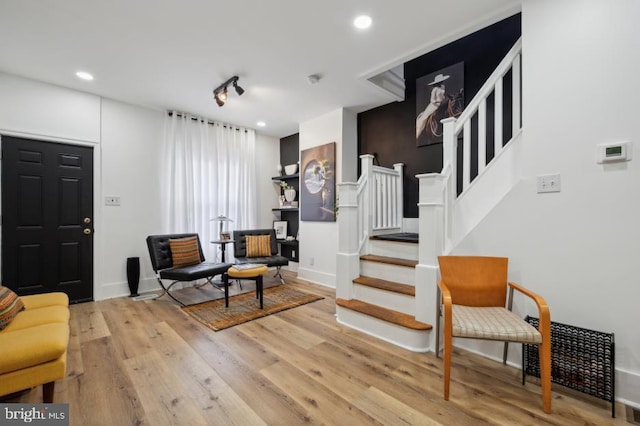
(581, 359)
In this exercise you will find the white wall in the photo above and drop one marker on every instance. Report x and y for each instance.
(267, 159)
(319, 240)
(40, 109)
(577, 248)
(130, 144)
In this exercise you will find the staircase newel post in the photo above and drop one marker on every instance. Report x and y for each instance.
(399, 167)
(348, 257)
(431, 228)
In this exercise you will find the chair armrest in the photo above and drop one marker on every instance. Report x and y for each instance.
(448, 306)
(446, 294)
(543, 308)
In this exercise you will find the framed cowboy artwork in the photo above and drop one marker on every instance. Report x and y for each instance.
(438, 95)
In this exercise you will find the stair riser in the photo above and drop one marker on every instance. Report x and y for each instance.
(394, 249)
(385, 271)
(413, 340)
(387, 299)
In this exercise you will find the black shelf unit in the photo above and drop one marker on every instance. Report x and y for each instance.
(289, 249)
(289, 154)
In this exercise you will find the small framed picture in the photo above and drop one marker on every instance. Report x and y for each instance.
(225, 236)
(280, 226)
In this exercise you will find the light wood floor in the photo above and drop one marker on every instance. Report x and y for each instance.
(148, 363)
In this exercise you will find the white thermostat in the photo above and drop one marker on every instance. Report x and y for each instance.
(610, 152)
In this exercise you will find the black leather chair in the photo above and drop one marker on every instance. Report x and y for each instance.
(162, 262)
(240, 250)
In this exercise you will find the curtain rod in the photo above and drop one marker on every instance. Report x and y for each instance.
(212, 123)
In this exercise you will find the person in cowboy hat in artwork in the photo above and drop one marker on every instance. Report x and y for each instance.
(437, 97)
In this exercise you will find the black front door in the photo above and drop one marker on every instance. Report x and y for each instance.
(47, 218)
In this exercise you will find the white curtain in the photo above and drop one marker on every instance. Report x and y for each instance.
(208, 170)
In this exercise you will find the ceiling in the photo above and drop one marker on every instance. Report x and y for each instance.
(170, 55)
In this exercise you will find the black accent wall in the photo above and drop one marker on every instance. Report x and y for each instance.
(289, 151)
(389, 131)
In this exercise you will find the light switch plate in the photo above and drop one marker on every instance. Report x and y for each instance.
(549, 183)
(111, 201)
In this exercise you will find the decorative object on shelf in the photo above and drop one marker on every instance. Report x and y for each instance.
(281, 200)
(280, 226)
(317, 188)
(222, 219)
(133, 275)
(290, 194)
(280, 169)
(289, 191)
(291, 169)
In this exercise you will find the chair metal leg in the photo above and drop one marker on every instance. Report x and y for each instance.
(505, 351)
(165, 290)
(278, 274)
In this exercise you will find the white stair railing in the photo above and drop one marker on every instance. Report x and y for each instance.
(380, 199)
(453, 127)
(460, 129)
(439, 197)
(371, 206)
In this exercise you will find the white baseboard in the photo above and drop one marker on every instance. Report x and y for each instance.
(121, 289)
(317, 277)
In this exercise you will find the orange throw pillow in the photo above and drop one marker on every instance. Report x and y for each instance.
(184, 251)
(258, 245)
(10, 305)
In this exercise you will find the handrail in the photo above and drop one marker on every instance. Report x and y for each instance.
(503, 67)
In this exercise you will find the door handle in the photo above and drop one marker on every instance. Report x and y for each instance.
(86, 231)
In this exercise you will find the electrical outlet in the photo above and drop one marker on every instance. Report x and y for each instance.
(549, 183)
(112, 201)
(311, 261)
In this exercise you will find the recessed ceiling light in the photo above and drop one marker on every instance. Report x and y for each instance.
(84, 75)
(261, 124)
(362, 22)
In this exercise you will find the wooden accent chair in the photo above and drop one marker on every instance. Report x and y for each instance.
(473, 295)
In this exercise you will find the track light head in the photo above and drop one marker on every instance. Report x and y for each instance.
(220, 92)
(239, 90)
(220, 95)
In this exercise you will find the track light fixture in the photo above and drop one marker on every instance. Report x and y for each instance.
(220, 92)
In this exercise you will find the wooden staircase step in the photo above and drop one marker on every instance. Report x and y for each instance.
(390, 260)
(384, 314)
(381, 284)
(401, 237)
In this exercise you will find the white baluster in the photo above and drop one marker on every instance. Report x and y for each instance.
(515, 77)
(482, 136)
(498, 117)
